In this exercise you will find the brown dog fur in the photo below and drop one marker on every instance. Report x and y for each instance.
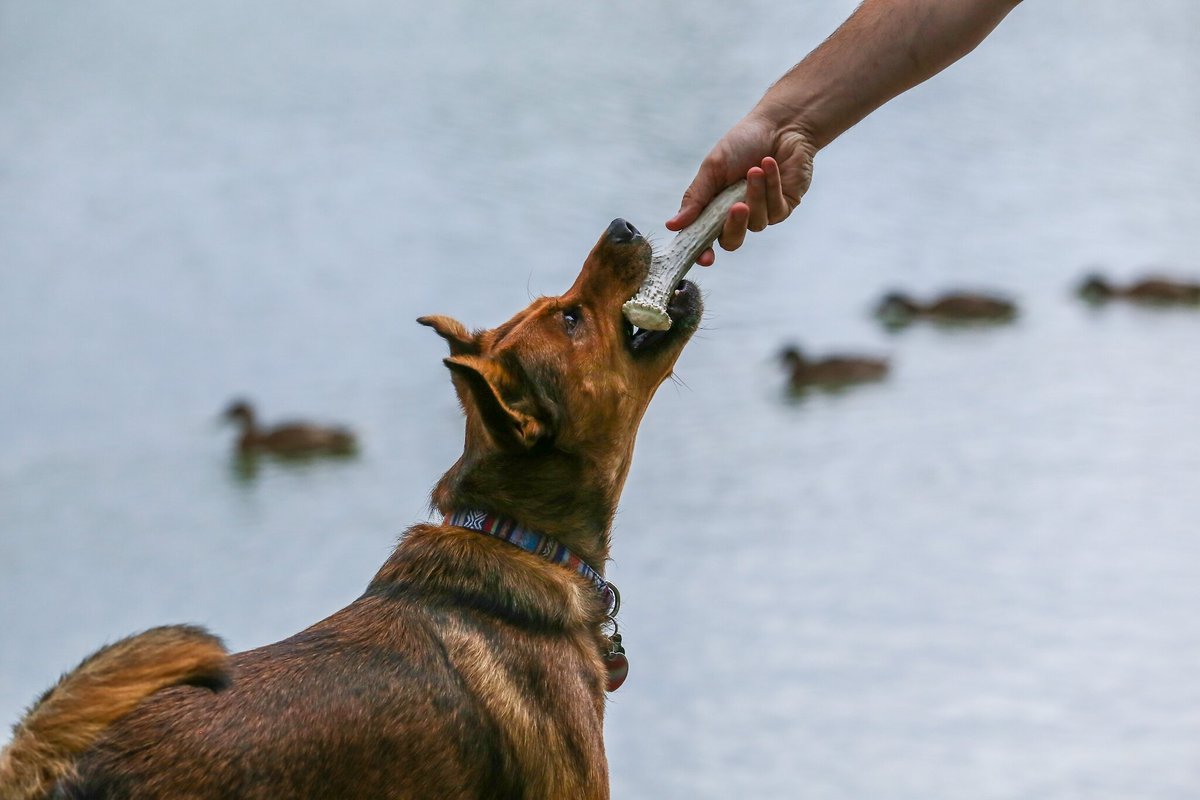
(469, 668)
(106, 686)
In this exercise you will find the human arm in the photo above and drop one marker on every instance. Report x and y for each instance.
(885, 48)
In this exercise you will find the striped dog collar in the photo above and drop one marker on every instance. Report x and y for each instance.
(539, 544)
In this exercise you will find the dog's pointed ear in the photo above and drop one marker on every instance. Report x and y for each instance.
(461, 341)
(484, 383)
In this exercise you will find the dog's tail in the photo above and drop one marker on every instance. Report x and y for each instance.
(107, 685)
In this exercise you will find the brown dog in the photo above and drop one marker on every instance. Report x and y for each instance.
(469, 668)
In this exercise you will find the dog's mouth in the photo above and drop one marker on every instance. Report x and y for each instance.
(684, 311)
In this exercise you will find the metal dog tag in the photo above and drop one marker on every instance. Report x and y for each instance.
(616, 663)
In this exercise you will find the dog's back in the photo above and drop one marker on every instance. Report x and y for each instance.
(411, 691)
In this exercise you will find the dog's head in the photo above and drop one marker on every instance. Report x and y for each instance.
(560, 388)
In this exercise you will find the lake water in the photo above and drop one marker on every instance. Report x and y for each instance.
(978, 579)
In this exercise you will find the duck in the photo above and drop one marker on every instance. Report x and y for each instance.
(288, 440)
(897, 309)
(1153, 290)
(830, 372)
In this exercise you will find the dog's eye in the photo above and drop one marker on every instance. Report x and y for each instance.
(571, 317)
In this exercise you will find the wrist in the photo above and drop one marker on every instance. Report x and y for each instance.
(785, 120)
(791, 106)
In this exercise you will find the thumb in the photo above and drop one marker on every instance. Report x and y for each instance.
(696, 198)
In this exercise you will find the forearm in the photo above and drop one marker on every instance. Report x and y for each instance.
(886, 47)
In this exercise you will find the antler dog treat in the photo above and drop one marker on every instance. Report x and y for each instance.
(648, 308)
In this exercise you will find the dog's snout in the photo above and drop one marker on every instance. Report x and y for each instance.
(622, 232)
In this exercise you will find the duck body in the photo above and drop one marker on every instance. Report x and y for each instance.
(1152, 290)
(830, 372)
(897, 309)
(290, 439)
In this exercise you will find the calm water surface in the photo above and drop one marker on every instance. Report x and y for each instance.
(978, 579)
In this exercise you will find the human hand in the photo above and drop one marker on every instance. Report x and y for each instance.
(777, 165)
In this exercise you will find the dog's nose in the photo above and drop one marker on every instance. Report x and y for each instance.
(621, 232)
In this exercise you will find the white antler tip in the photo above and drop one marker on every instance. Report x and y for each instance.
(647, 316)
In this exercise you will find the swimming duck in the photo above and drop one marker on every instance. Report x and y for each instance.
(293, 439)
(831, 372)
(897, 309)
(1151, 290)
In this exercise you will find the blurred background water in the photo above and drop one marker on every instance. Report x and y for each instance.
(976, 579)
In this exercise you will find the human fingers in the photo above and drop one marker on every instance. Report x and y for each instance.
(777, 208)
(707, 258)
(734, 231)
(756, 198)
